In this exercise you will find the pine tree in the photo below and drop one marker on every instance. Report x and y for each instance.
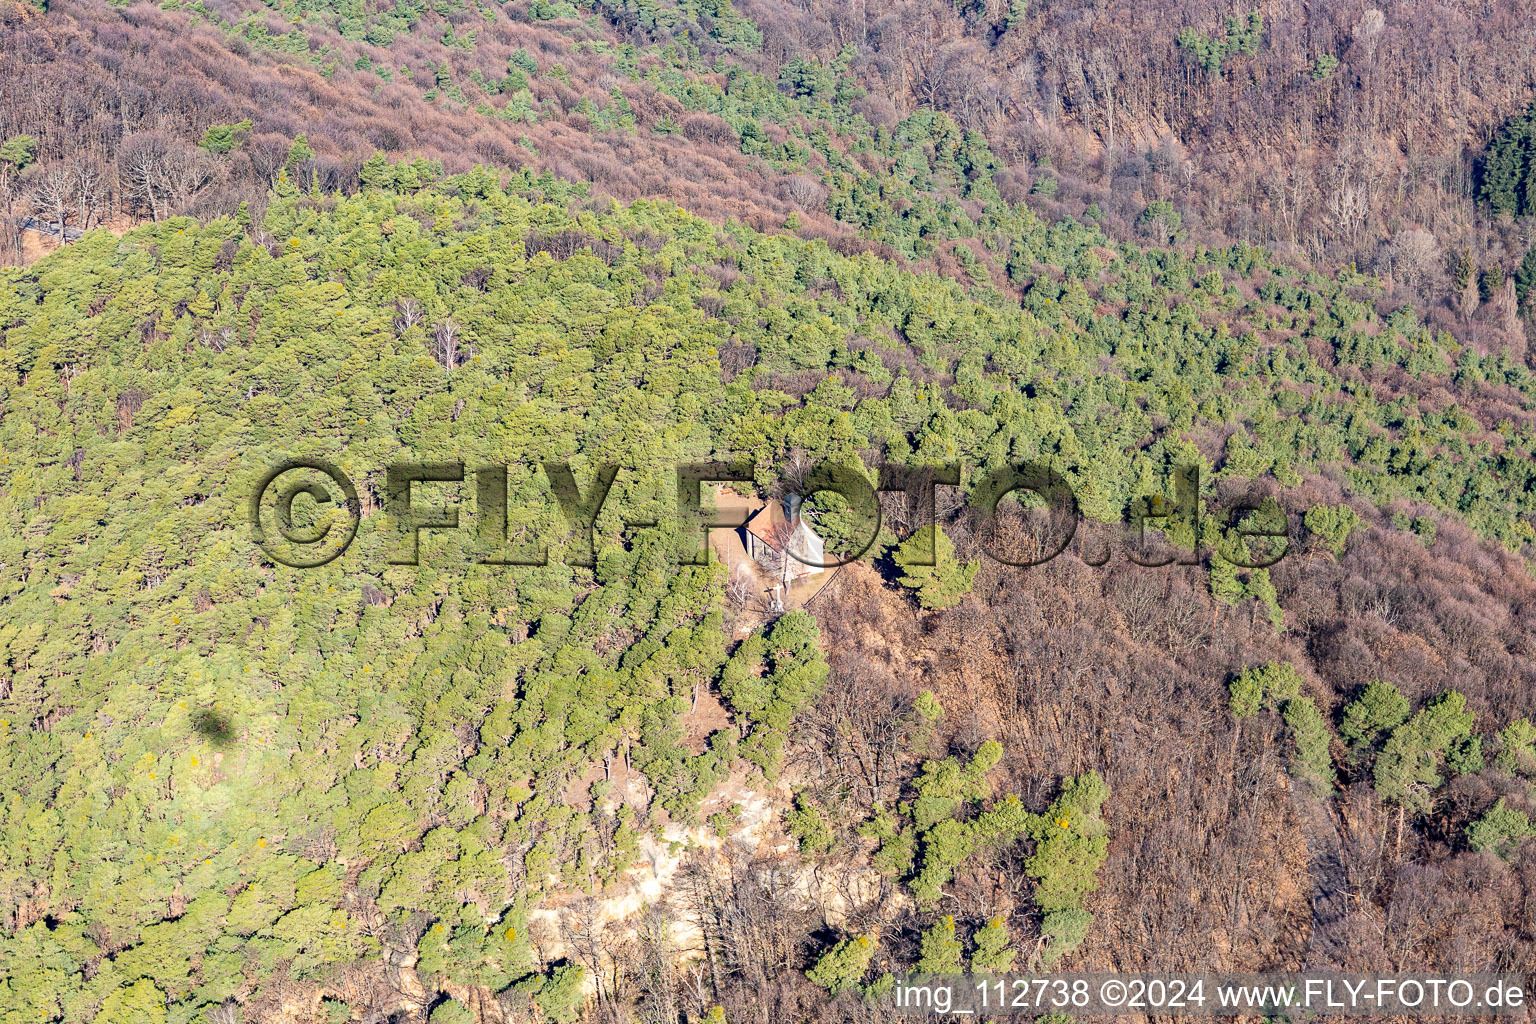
(1525, 274)
(376, 172)
(992, 954)
(298, 152)
(1259, 688)
(1071, 842)
(1225, 583)
(560, 995)
(940, 949)
(809, 826)
(1500, 829)
(1407, 769)
(1379, 707)
(1066, 929)
(1507, 167)
(18, 152)
(1310, 734)
(142, 1002)
(221, 138)
(1262, 589)
(16, 155)
(938, 585)
(1517, 748)
(945, 846)
(1332, 524)
(1465, 755)
(844, 965)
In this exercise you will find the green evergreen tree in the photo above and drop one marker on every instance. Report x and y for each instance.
(844, 965)
(1517, 749)
(1525, 274)
(376, 172)
(1407, 770)
(1380, 707)
(561, 995)
(1465, 755)
(1500, 830)
(1310, 734)
(992, 954)
(941, 584)
(1066, 929)
(142, 1002)
(221, 138)
(18, 152)
(298, 152)
(1071, 842)
(1262, 687)
(940, 950)
(1225, 583)
(809, 826)
(1262, 589)
(1332, 524)
(1507, 167)
(16, 155)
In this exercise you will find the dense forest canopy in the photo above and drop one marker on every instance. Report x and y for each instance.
(613, 787)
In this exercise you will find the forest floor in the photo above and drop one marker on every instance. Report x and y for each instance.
(39, 239)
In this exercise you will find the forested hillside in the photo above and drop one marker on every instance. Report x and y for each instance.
(299, 774)
(1337, 133)
(617, 788)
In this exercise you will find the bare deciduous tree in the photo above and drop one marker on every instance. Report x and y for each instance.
(804, 190)
(1411, 258)
(739, 586)
(188, 170)
(52, 190)
(161, 173)
(408, 313)
(141, 164)
(93, 190)
(448, 346)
